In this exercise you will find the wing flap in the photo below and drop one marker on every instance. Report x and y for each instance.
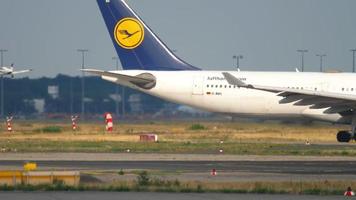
(292, 98)
(337, 109)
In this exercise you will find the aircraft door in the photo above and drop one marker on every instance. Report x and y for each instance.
(198, 85)
(324, 86)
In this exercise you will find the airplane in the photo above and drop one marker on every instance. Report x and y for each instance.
(9, 70)
(151, 67)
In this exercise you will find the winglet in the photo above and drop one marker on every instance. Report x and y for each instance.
(297, 70)
(235, 81)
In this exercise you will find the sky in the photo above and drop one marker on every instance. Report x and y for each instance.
(45, 34)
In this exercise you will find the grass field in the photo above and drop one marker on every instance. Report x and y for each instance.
(300, 188)
(177, 137)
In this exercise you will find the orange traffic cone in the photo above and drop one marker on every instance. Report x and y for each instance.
(9, 124)
(214, 172)
(74, 122)
(109, 122)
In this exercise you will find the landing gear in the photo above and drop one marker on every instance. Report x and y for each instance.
(347, 136)
(344, 136)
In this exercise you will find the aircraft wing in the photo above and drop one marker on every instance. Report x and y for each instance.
(21, 71)
(335, 102)
(145, 81)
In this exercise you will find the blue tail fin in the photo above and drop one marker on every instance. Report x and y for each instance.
(136, 45)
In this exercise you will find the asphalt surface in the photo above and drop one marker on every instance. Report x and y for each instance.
(150, 196)
(162, 157)
(285, 167)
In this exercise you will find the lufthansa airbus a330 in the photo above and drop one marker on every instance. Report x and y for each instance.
(151, 67)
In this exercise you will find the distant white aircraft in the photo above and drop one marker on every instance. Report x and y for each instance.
(151, 67)
(9, 70)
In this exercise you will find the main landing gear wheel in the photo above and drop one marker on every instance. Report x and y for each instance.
(347, 136)
(344, 136)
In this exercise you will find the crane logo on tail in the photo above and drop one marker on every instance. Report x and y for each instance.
(129, 33)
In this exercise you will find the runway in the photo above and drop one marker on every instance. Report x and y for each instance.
(191, 167)
(283, 167)
(149, 196)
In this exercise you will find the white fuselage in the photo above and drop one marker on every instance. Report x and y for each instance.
(208, 90)
(6, 70)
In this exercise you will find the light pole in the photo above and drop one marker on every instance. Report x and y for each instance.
(83, 51)
(237, 60)
(353, 59)
(71, 95)
(302, 51)
(2, 51)
(321, 61)
(117, 88)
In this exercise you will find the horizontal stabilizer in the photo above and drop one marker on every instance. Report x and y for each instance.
(144, 80)
(21, 71)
